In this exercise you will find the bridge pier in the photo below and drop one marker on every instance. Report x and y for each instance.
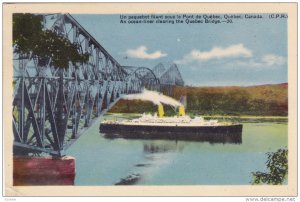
(30, 171)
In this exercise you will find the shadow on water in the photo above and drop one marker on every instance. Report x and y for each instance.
(129, 180)
(161, 148)
(155, 155)
(160, 153)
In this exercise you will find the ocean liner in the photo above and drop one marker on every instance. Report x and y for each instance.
(180, 127)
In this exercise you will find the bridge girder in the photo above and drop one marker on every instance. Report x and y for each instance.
(142, 77)
(82, 91)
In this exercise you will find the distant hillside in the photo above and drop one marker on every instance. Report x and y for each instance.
(267, 100)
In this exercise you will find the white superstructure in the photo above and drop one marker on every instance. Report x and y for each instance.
(154, 120)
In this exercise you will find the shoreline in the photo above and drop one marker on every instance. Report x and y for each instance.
(247, 117)
(216, 116)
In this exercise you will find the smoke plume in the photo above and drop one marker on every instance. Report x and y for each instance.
(153, 96)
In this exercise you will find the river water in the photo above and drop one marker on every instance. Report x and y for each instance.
(101, 161)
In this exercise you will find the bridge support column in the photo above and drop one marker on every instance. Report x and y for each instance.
(43, 170)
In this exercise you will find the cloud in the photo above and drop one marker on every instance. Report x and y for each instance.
(233, 51)
(269, 60)
(141, 53)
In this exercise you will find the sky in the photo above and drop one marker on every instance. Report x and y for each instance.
(245, 52)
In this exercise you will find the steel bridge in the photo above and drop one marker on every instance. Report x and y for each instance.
(169, 77)
(49, 110)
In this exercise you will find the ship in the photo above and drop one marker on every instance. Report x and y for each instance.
(179, 127)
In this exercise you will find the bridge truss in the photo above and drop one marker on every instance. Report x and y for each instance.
(52, 106)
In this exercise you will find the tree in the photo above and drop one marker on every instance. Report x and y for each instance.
(277, 165)
(30, 38)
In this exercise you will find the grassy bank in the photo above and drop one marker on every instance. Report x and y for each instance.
(262, 101)
(211, 116)
(249, 117)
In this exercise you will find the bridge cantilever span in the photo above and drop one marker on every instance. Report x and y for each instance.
(142, 76)
(87, 91)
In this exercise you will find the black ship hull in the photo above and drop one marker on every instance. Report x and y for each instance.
(226, 133)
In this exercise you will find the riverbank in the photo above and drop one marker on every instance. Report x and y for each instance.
(246, 117)
(209, 116)
(263, 100)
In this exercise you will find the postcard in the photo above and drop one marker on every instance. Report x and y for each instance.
(150, 99)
